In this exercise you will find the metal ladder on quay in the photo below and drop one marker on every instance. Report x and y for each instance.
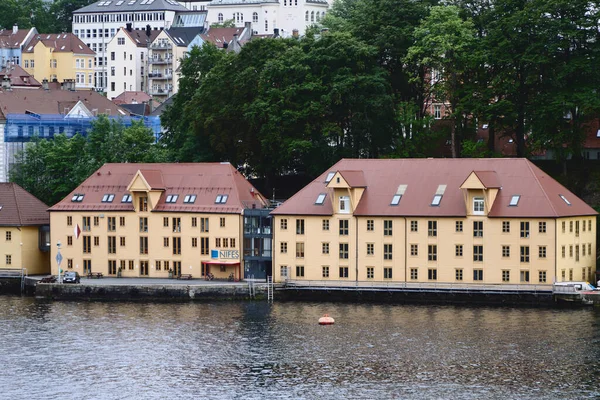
(269, 288)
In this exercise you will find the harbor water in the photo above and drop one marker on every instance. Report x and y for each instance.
(256, 350)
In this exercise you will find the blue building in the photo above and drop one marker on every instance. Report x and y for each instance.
(12, 43)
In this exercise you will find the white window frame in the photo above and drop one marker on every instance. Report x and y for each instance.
(478, 205)
(344, 205)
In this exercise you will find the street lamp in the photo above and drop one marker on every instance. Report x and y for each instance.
(58, 259)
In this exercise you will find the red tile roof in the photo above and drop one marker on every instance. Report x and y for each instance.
(139, 37)
(540, 194)
(354, 178)
(19, 77)
(20, 208)
(205, 180)
(489, 179)
(60, 43)
(10, 40)
(132, 97)
(218, 36)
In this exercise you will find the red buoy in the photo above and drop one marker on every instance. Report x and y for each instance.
(326, 320)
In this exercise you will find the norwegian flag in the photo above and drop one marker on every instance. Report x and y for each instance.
(77, 231)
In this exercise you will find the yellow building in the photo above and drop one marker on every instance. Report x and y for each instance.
(155, 220)
(24, 231)
(434, 221)
(60, 57)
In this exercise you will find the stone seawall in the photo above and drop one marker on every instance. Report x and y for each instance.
(147, 292)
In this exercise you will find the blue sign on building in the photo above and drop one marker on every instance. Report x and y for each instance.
(214, 254)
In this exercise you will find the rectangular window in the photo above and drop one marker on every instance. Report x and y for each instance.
(478, 205)
(414, 226)
(217, 242)
(414, 250)
(505, 226)
(414, 274)
(590, 225)
(387, 251)
(458, 274)
(505, 251)
(589, 248)
(300, 250)
(283, 224)
(459, 226)
(112, 245)
(570, 226)
(121, 221)
(204, 247)
(86, 224)
(204, 225)
(157, 263)
(458, 250)
(477, 228)
(564, 251)
(432, 228)
(143, 203)
(194, 222)
(112, 267)
(69, 221)
(387, 273)
(87, 266)
(96, 221)
(112, 224)
(69, 240)
(525, 276)
(370, 272)
(96, 240)
(542, 227)
(122, 241)
(577, 253)
(325, 271)
(576, 228)
(343, 272)
(542, 276)
(8, 259)
(8, 236)
(143, 224)
(343, 227)
(222, 222)
(144, 245)
(300, 227)
(370, 225)
(176, 224)
(70, 263)
(542, 252)
(165, 242)
(563, 227)
(524, 254)
(387, 227)
(571, 250)
(477, 275)
(478, 253)
(432, 274)
(505, 275)
(432, 252)
(87, 244)
(283, 271)
(524, 229)
(344, 205)
(325, 248)
(283, 247)
(344, 251)
(299, 271)
(325, 224)
(370, 249)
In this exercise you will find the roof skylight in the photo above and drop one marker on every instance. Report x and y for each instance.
(565, 199)
(126, 198)
(321, 198)
(436, 200)
(108, 198)
(396, 199)
(221, 199)
(172, 198)
(77, 198)
(189, 198)
(514, 201)
(329, 177)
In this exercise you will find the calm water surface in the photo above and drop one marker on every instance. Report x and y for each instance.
(226, 350)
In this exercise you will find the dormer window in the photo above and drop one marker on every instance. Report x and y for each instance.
(565, 199)
(344, 205)
(436, 200)
(189, 199)
(478, 205)
(108, 198)
(77, 198)
(329, 177)
(320, 199)
(396, 199)
(514, 201)
(172, 198)
(221, 199)
(126, 198)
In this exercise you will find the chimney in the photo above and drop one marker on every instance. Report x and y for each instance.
(148, 30)
(225, 45)
(128, 25)
(6, 82)
(68, 84)
(295, 33)
(248, 28)
(276, 32)
(45, 84)
(15, 28)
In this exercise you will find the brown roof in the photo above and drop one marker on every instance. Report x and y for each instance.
(205, 180)
(39, 101)
(540, 194)
(218, 36)
(132, 97)
(139, 37)
(20, 208)
(489, 179)
(60, 43)
(10, 40)
(354, 178)
(19, 77)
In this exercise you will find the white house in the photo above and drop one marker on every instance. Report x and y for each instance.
(267, 16)
(128, 60)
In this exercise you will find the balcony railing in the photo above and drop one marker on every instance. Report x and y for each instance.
(154, 75)
(160, 60)
(160, 92)
(162, 45)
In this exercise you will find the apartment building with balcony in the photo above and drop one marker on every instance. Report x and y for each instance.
(428, 221)
(128, 60)
(156, 220)
(59, 57)
(164, 59)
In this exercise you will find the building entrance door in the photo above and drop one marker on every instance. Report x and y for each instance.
(144, 268)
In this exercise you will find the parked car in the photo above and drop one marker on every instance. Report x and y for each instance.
(71, 277)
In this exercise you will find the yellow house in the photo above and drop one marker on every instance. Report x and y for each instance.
(60, 57)
(24, 231)
(155, 220)
(435, 221)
